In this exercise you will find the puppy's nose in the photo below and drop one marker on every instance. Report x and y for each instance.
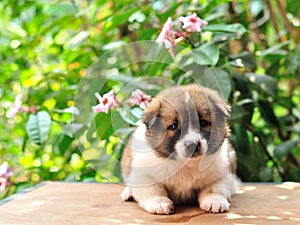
(192, 148)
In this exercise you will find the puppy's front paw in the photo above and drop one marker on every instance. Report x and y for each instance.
(126, 194)
(214, 203)
(158, 205)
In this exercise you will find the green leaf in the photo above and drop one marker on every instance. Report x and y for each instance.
(74, 129)
(224, 37)
(103, 125)
(169, 12)
(216, 79)
(25, 140)
(73, 110)
(240, 139)
(78, 39)
(38, 127)
(295, 61)
(121, 17)
(63, 142)
(122, 78)
(107, 124)
(60, 10)
(131, 116)
(206, 54)
(208, 6)
(245, 101)
(275, 50)
(256, 7)
(268, 113)
(4, 41)
(237, 112)
(113, 45)
(241, 83)
(264, 82)
(16, 29)
(244, 59)
(226, 28)
(266, 174)
(284, 149)
(117, 121)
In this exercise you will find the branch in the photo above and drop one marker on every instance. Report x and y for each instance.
(234, 16)
(282, 9)
(293, 160)
(273, 19)
(264, 147)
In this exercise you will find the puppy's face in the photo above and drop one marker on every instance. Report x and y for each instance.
(186, 122)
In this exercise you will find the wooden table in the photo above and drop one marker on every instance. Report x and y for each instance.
(90, 203)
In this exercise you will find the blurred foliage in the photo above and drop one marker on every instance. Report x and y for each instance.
(252, 47)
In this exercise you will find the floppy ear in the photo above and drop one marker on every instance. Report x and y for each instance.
(220, 128)
(227, 109)
(151, 114)
(220, 104)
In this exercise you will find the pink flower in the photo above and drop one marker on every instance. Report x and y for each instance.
(16, 107)
(106, 102)
(166, 37)
(32, 109)
(5, 175)
(139, 98)
(192, 23)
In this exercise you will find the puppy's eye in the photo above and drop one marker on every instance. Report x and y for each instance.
(203, 123)
(173, 126)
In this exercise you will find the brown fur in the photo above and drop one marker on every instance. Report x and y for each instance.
(126, 160)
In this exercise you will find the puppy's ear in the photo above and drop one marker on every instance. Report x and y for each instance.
(227, 109)
(151, 114)
(220, 128)
(220, 104)
(221, 110)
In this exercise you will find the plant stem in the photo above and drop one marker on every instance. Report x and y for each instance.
(282, 9)
(273, 19)
(264, 147)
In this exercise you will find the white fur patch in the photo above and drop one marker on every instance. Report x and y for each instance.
(214, 203)
(192, 136)
(158, 205)
(126, 194)
(221, 154)
(187, 98)
(139, 142)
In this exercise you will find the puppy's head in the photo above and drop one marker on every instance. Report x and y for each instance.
(186, 122)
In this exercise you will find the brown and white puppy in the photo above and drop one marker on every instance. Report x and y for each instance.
(180, 153)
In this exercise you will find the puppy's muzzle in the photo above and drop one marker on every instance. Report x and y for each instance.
(192, 148)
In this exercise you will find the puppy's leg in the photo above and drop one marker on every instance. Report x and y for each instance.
(153, 198)
(213, 202)
(215, 198)
(126, 194)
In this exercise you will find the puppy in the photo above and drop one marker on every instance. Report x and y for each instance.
(180, 153)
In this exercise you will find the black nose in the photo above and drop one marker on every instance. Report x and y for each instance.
(192, 148)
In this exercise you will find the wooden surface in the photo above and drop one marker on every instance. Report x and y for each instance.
(82, 203)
